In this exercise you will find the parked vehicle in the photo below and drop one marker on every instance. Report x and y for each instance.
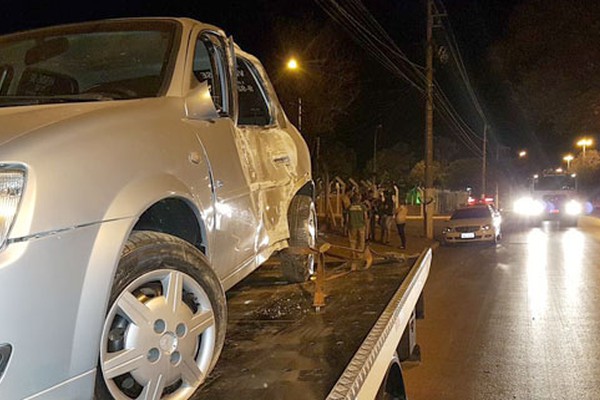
(480, 223)
(146, 167)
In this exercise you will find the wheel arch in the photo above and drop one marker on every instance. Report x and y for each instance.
(140, 205)
(392, 386)
(308, 189)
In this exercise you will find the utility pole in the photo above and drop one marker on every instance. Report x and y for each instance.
(375, 150)
(428, 200)
(484, 162)
(497, 202)
(300, 113)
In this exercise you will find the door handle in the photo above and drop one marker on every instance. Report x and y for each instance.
(282, 160)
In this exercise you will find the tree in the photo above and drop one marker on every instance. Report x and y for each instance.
(326, 78)
(464, 173)
(417, 174)
(587, 169)
(550, 59)
(394, 164)
(340, 160)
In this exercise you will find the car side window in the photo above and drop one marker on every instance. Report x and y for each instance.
(253, 106)
(210, 66)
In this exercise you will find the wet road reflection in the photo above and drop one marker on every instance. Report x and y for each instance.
(516, 321)
(537, 260)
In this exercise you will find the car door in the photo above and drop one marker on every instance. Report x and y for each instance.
(269, 148)
(236, 221)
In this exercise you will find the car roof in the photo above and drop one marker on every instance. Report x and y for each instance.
(186, 23)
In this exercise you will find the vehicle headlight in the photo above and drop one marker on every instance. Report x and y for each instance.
(12, 183)
(447, 229)
(486, 227)
(529, 206)
(573, 207)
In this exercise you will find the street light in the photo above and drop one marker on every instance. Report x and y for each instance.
(522, 153)
(293, 66)
(568, 158)
(585, 142)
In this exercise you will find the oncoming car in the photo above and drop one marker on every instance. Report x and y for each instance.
(473, 224)
(146, 167)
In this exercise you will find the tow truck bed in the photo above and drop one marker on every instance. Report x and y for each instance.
(278, 347)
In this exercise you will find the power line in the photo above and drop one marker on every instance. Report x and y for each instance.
(455, 50)
(360, 23)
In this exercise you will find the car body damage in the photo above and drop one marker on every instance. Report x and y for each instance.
(113, 133)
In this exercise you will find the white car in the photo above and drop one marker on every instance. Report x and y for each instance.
(473, 224)
(146, 166)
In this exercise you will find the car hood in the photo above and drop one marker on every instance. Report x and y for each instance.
(18, 121)
(469, 222)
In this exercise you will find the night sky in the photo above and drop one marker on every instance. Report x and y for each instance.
(477, 25)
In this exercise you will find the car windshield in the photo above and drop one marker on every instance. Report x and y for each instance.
(87, 62)
(466, 213)
(554, 182)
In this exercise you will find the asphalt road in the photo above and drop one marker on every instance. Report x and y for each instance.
(517, 321)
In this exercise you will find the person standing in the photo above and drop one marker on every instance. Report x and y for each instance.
(346, 201)
(368, 206)
(357, 218)
(373, 217)
(387, 217)
(400, 218)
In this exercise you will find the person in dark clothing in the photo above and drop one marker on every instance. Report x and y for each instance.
(387, 217)
(367, 202)
(357, 218)
(374, 217)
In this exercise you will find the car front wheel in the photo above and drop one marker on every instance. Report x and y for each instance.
(165, 325)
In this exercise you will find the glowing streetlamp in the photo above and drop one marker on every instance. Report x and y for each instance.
(522, 154)
(585, 142)
(568, 158)
(293, 66)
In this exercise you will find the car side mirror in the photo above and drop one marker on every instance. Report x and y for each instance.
(199, 103)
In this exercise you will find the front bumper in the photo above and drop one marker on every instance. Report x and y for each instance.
(47, 317)
(478, 236)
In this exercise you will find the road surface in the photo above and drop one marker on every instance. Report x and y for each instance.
(516, 321)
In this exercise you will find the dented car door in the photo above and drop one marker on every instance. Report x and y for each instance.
(236, 219)
(268, 148)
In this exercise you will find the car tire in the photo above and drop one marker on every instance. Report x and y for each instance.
(165, 324)
(298, 266)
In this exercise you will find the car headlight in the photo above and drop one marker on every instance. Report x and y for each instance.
(448, 229)
(486, 227)
(12, 183)
(573, 207)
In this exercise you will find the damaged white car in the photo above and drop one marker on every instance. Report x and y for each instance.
(146, 166)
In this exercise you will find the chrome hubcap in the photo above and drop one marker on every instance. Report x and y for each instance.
(158, 338)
